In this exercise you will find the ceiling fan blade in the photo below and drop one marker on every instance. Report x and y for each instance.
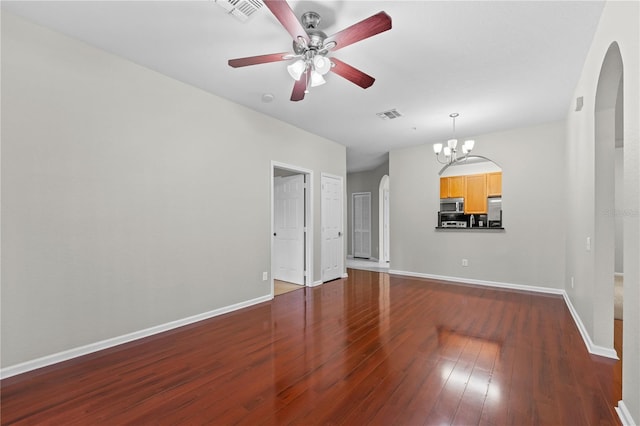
(352, 74)
(260, 59)
(283, 12)
(300, 87)
(369, 27)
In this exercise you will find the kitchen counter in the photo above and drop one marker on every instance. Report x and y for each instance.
(483, 229)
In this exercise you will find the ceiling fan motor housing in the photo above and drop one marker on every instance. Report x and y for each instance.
(310, 22)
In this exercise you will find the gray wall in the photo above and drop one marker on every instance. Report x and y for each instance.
(368, 181)
(129, 199)
(593, 299)
(531, 249)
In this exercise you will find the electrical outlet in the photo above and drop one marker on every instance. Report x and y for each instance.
(572, 282)
(265, 276)
(465, 262)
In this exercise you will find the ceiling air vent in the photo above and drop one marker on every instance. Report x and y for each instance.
(240, 9)
(389, 115)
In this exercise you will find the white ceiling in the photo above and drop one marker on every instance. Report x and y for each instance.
(500, 64)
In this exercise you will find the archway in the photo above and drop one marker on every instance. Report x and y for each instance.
(383, 221)
(608, 244)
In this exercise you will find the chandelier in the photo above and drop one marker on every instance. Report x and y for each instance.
(450, 151)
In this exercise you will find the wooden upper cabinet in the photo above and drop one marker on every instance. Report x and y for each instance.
(456, 186)
(452, 187)
(494, 184)
(475, 194)
(444, 187)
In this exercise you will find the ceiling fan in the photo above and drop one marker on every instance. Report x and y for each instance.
(311, 46)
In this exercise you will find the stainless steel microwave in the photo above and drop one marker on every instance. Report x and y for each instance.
(452, 205)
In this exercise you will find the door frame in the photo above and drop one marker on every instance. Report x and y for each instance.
(342, 221)
(384, 232)
(354, 195)
(308, 220)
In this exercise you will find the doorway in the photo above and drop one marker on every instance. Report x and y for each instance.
(609, 193)
(332, 227)
(291, 220)
(361, 219)
(383, 215)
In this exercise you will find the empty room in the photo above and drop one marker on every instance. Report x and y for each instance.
(270, 212)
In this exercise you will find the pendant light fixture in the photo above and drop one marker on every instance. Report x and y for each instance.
(450, 151)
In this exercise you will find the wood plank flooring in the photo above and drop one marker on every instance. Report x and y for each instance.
(367, 350)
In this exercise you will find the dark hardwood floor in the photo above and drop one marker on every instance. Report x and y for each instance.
(367, 350)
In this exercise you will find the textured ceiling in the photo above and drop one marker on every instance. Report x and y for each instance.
(499, 64)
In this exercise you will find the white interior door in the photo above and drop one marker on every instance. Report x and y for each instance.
(288, 229)
(361, 224)
(331, 223)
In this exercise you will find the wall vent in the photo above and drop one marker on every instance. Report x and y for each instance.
(579, 103)
(389, 115)
(240, 9)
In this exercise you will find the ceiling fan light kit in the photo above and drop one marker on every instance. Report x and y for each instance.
(311, 47)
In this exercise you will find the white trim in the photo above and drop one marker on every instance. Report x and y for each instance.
(624, 414)
(591, 347)
(119, 340)
(618, 274)
(316, 283)
(345, 275)
(522, 287)
(308, 280)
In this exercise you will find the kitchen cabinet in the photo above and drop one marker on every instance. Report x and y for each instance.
(452, 187)
(475, 194)
(494, 184)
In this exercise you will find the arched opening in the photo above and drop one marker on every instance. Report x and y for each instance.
(383, 221)
(608, 234)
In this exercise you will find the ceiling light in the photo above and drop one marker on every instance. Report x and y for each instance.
(317, 79)
(450, 149)
(296, 69)
(321, 64)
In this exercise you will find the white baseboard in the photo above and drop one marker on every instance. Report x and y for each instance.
(345, 275)
(498, 284)
(625, 415)
(591, 347)
(618, 274)
(316, 283)
(115, 341)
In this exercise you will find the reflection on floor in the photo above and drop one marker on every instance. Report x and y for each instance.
(282, 287)
(367, 265)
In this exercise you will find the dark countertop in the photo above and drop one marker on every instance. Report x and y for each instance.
(440, 228)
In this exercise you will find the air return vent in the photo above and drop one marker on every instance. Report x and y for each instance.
(389, 115)
(240, 9)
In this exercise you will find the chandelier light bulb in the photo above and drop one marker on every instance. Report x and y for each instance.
(317, 79)
(447, 151)
(296, 69)
(321, 64)
(452, 143)
(469, 144)
(437, 148)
